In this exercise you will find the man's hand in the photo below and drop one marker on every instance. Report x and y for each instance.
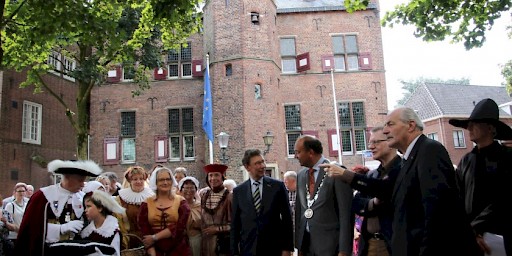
(333, 170)
(211, 230)
(286, 253)
(483, 245)
(73, 226)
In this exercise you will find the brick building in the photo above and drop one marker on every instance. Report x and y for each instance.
(33, 130)
(438, 103)
(269, 65)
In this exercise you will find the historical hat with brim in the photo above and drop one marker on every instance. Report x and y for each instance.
(486, 111)
(82, 167)
(215, 168)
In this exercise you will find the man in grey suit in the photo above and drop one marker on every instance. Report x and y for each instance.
(261, 222)
(428, 214)
(323, 218)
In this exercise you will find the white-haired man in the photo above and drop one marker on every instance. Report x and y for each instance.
(54, 212)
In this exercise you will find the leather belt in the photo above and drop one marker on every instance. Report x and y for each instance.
(377, 236)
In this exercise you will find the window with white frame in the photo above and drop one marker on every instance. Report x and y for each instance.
(181, 134)
(458, 139)
(128, 71)
(128, 137)
(433, 136)
(180, 62)
(288, 55)
(69, 66)
(293, 126)
(346, 52)
(54, 60)
(31, 123)
(352, 127)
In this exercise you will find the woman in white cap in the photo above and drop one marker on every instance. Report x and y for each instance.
(54, 213)
(15, 210)
(188, 188)
(163, 217)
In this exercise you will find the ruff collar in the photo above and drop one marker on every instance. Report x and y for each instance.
(137, 198)
(58, 197)
(110, 225)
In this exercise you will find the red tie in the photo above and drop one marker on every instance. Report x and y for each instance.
(311, 183)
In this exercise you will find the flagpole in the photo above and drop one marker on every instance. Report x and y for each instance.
(336, 117)
(208, 105)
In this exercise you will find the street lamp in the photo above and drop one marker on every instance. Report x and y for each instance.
(268, 139)
(223, 144)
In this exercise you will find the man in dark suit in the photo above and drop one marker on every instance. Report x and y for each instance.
(324, 223)
(261, 218)
(429, 217)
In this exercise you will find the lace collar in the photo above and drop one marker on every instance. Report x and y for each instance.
(131, 197)
(110, 225)
(58, 197)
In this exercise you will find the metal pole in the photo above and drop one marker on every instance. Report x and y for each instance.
(336, 117)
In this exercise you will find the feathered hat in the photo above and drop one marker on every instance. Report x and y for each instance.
(106, 200)
(82, 167)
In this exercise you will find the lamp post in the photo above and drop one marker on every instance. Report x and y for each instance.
(223, 144)
(268, 139)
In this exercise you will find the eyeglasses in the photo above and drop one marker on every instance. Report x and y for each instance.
(164, 179)
(375, 142)
(21, 191)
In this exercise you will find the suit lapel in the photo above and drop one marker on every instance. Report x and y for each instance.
(408, 164)
(248, 195)
(267, 194)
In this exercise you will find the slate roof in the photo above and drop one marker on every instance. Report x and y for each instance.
(450, 100)
(290, 6)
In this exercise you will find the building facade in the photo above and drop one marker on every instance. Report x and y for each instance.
(270, 67)
(33, 130)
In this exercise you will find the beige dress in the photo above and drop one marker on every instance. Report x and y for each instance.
(215, 211)
(194, 228)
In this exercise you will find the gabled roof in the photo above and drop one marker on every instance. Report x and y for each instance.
(290, 6)
(452, 100)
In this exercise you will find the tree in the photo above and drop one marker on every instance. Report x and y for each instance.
(437, 20)
(411, 85)
(95, 34)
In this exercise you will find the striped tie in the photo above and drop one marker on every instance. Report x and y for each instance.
(256, 196)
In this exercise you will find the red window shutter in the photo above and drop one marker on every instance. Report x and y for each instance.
(365, 61)
(111, 151)
(327, 63)
(114, 75)
(302, 62)
(197, 68)
(160, 73)
(161, 148)
(312, 133)
(330, 134)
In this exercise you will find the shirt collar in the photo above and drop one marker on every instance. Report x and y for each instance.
(409, 148)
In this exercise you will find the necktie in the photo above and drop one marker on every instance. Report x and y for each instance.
(311, 182)
(256, 196)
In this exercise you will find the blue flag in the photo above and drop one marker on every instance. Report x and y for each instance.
(207, 107)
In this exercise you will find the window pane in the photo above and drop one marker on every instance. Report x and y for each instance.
(173, 70)
(53, 60)
(188, 119)
(188, 141)
(186, 52)
(346, 140)
(289, 66)
(287, 46)
(128, 71)
(174, 144)
(338, 45)
(292, 117)
(31, 123)
(172, 56)
(174, 120)
(458, 139)
(344, 112)
(360, 140)
(353, 62)
(229, 69)
(292, 138)
(339, 63)
(358, 114)
(351, 44)
(128, 123)
(128, 150)
(69, 65)
(187, 69)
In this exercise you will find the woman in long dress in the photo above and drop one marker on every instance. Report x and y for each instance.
(215, 212)
(163, 217)
(131, 198)
(188, 187)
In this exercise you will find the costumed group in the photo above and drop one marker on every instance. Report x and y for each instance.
(415, 203)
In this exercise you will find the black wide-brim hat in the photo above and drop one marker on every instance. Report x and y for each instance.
(84, 168)
(486, 111)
